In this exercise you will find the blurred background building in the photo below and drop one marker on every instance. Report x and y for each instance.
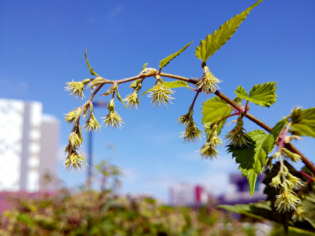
(28, 147)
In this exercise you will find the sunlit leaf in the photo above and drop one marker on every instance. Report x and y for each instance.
(167, 60)
(219, 37)
(215, 109)
(120, 99)
(303, 121)
(88, 64)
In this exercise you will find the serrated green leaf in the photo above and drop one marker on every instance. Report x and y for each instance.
(304, 122)
(120, 99)
(244, 155)
(251, 176)
(214, 109)
(264, 145)
(263, 94)
(219, 37)
(253, 157)
(276, 130)
(241, 92)
(167, 60)
(90, 68)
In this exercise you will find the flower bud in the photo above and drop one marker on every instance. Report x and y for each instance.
(91, 123)
(161, 94)
(192, 133)
(75, 160)
(75, 139)
(208, 83)
(132, 99)
(73, 115)
(113, 119)
(76, 88)
(111, 105)
(286, 201)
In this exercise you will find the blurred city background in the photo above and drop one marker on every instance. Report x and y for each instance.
(42, 46)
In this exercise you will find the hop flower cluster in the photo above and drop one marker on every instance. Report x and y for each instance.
(208, 150)
(112, 119)
(74, 159)
(161, 94)
(209, 82)
(191, 133)
(237, 136)
(91, 123)
(286, 200)
(76, 88)
(133, 98)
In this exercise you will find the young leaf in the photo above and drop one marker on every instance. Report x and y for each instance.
(144, 66)
(176, 84)
(241, 93)
(120, 99)
(214, 109)
(263, 94)
(276, 130)
(167, 60)
(219, 37)
(90, 68)
(303, 121)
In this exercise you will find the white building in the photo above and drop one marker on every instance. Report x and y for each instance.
(28, 146)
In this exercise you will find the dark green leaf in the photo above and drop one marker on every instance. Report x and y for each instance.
(167, 60)
(244, 155)
(309, 207)
(90, 68)
(303, 121)
(219, 37)
(214, 109)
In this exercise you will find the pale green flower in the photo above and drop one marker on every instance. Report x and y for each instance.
(275, 182)
(91, 123)
(161, 94)
(208, 83)
(113, 119)
(75, 139)
(184, 119)
(296, 182)
(286, 201)
(192, 133)
(76, 88)
(208, 150)
(75, 160)
(132, 99)
(298, 215)
(73, 115)
(237, 136)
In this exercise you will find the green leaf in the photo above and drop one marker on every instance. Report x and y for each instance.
(120, 99)
(241, 93)
(214, 109)
(251, 176)
(244, 155)
(167, 60)
(176, 84)
(90, 68)
(276, 130)
(219, 37)
(253, 157)
(172, 84)
(303, 121)
(264, 145)
(309, 207)
(263, 94)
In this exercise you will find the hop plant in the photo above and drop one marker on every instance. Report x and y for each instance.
(287, 201)
(76, 88)
(91, 123)
(132, 99)
(237, 136)
(209, 82)
(161, 94)
(208, 150)
(192, 133)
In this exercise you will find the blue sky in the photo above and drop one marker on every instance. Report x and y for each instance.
(42, 47)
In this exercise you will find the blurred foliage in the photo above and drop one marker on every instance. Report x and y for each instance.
(91, 212)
